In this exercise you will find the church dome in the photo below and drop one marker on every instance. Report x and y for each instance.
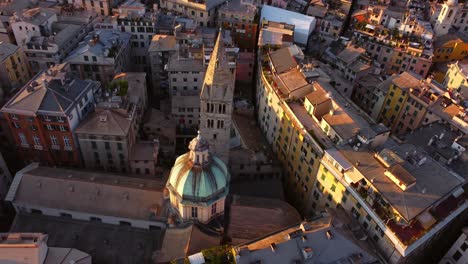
(198, 176)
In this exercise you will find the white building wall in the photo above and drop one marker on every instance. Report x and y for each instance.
(459, 251)
(21, 207)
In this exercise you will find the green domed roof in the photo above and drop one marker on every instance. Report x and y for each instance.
(197, 176)
(199, 183)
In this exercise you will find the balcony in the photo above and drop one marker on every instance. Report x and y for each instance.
(68, 148)
(55, 147)
(38, 147)
(25, 145)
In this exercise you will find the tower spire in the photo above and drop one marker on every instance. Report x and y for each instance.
(216, 101)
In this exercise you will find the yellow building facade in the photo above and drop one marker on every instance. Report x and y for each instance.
(14, 71)
(450, 48)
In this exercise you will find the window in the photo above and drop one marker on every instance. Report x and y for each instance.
(333, 188)
(16, 125)
(107, 145)
(95, 219)
(86, 58)
(22, 138)
(36, 140)
(125, 223)
(53, 139)
(65, 215)
(36, 211)
(464, 246)
(323, 177)
(194, 212)
(376, 238)
(66, 141)
(119, 146)
(213, 209)
(63, 128)
(49, 127)
(457, 255)
(93, 145)
(147, 171)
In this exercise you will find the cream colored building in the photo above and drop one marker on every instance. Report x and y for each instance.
(458, 253)
(456, 78)
(203, 12)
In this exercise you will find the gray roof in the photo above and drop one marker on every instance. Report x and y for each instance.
(46, 93)
(112, 122)
(350, 54)
(441, 147)
(101, 42)
(105, 243)
(90, 192)
(6, 50)
(385, 85)
(65, 32)
(66, 255)
(185, 64)
(289, 244)
(432, 179)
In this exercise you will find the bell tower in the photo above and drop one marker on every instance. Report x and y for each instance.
(216, 102)
(446, 17)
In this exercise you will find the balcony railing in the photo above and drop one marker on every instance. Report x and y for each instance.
(38, 147)
(69, 148)
(55, 147)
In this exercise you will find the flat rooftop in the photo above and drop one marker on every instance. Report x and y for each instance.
(289, 243)
(107, 244)
(420, 137)
(433, 181)
(91, 192)
(341, 104)
(310, 124)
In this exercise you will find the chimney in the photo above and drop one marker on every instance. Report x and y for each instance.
(331, 112)
(103, 117)
(442, 135)
(273, 247)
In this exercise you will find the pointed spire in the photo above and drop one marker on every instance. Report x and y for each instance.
(218, 76)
